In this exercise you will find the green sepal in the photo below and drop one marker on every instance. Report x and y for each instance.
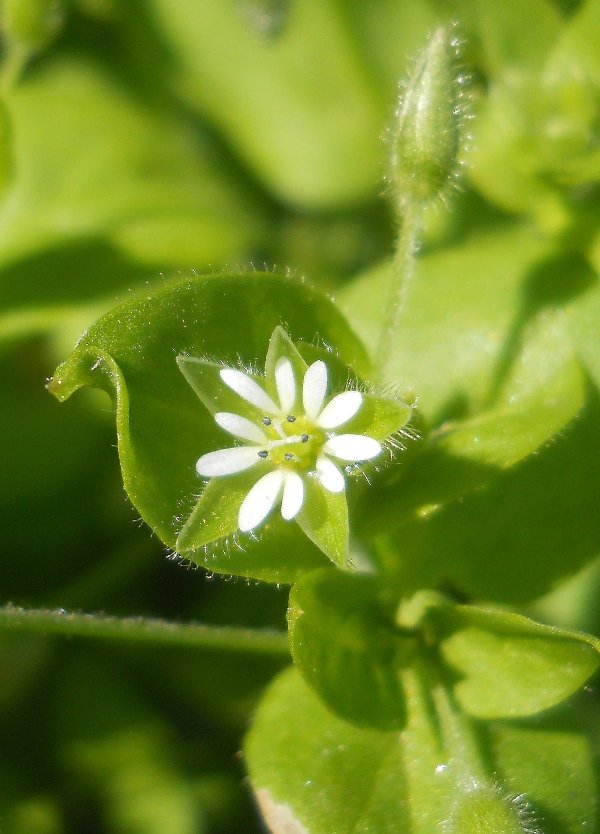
(215, 516)
(346, 649)
(280, 345)
(203, 376)
(324, 519)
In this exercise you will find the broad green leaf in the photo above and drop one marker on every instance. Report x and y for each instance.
(501, 32)
(535, 390)
(531, 526)
(313, 772)
(162, 427)
(508, 666)
(465, 301)
(345, 649)
(137, 177)
(300, 109)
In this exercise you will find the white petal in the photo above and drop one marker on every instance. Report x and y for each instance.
(340, 409)
(314, 389)
(286, 384)
(240, 427)
(248, 389)
(352, 447)
(329, 475)
(261, 499)
(293, 496)
(227, 461)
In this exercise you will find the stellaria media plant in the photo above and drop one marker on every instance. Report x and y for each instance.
(417, 701)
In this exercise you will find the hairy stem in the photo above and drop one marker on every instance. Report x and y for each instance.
(404, 261)
(142, 629)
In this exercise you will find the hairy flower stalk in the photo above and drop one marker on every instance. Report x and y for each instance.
(294, 443)
(427, 141)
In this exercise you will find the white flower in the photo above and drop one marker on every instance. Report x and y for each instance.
(295, 437)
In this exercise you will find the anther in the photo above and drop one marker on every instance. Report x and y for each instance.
(304, 438)
(290, 418)
(263, 454)
(288, 456)
(266, 421)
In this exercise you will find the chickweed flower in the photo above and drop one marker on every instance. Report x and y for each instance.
(294, 442)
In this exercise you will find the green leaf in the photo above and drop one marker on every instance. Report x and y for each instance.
(162, 428)
(465, 302)
(326, 151)
(137, 176)
(345, 648)
(510, 542)
(508, 666)
(311, 771)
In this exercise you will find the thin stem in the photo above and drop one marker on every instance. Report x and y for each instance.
(142, 629)
(404, 262)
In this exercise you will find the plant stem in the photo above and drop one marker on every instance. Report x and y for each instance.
(143, 629)
(403, 269)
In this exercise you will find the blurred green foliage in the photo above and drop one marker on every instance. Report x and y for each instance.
(148, 140)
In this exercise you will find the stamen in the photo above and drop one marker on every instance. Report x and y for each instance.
(263, 454)
(304, 438)
(290, 418)
(266, 421)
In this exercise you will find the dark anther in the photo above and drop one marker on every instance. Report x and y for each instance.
(289, 456)
(263, 454)
(266, 421)
(290, 418)
(304, 438)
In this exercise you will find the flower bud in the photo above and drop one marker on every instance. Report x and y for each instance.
(430, 117)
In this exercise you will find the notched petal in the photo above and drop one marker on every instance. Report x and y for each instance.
(261, 499)
(248, 389)
(227, 461)
(240, 427)
(352, 447)
(293, 496)
(314, 389)
(329, 475)
(285, 383)
(340, 409)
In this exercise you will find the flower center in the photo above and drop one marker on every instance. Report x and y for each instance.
(293, 441)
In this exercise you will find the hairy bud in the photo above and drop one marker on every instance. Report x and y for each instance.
(429, 129)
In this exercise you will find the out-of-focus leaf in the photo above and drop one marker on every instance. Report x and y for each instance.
(116, 748)
(530, 527)
(301, 108)
(161, 426)
(501, 32)
(464, 302)
(137, 177)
